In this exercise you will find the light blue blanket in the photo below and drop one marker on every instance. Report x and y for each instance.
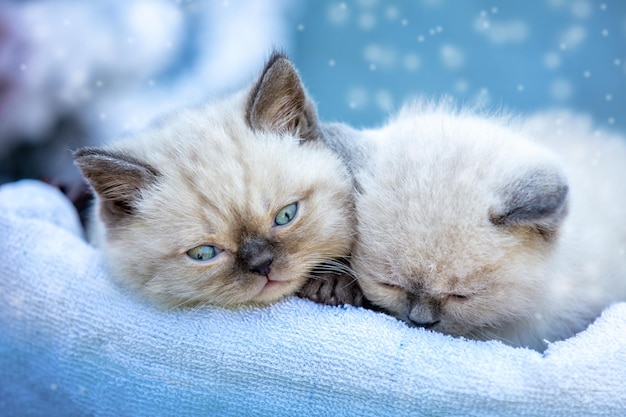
(71, 343)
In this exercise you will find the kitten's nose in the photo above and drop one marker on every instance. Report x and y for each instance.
(256, 256)
(424, 313)
(263, 267)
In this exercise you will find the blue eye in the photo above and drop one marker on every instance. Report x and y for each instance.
(286, 214)
(203, 253)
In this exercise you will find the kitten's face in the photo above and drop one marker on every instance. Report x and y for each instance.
(454, 233)
(244, 223)
(226, 205)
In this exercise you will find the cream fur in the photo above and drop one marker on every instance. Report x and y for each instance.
(426, 247)
(221, 182)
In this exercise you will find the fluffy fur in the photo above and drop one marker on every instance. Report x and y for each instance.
(219, 176)
(469, 225)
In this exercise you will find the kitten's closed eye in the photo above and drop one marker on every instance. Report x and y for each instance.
(391, 287)
(452, 297)
(286, 214)
(203, 253)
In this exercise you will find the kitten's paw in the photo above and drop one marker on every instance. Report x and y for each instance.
(333, 289)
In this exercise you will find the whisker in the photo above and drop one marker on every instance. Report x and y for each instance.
(179, 305)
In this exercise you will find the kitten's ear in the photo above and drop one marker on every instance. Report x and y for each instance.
(278, 102)
(117, 178)
(538, 199)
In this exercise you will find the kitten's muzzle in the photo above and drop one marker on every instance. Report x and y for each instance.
(256, 255)
(424, 311)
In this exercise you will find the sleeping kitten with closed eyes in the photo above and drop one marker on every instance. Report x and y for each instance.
(468, 227)
(233, 203)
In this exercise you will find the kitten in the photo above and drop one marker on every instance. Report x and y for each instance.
(467, 227)
(231, 204)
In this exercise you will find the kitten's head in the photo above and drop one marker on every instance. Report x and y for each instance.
(230, 204)
(457, 220)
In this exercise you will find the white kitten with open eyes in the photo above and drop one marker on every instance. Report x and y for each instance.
(234, 203)
(470, 226)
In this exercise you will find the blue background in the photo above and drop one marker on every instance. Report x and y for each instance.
(84, 73)
(361, 59)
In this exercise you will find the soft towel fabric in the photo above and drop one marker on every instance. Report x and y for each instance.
(72, 343)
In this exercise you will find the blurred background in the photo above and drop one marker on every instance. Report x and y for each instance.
(76, 73)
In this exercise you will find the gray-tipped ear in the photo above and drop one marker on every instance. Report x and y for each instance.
(118, 179)
(538, 199)
(278, 102)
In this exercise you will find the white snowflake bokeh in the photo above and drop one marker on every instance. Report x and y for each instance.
(113, 67)
(523, 56)
(82, 73)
